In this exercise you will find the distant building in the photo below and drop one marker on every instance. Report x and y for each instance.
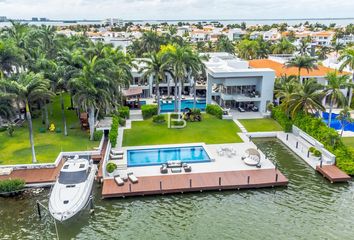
(113, 22)
(3, 19)
(44, 19)
(34, 19)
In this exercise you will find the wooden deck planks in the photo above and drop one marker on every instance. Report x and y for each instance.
(333, 174)
(194, 182)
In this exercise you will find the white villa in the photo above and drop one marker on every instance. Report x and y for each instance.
(233, 84)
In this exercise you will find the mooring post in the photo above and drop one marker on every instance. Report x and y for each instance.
(276, 177)
(39, 210)
(250, 138)
(321, 164)
(219, 181)
(190, 183)
(287, 137)
(297, 144)
(248, 180)
(130, 187)
(160, 185)
(308, 154)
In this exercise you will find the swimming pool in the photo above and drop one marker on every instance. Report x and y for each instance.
(169, 106)
(157, 156)
(335, 124)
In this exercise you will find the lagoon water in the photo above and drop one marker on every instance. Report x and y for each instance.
(309, 208)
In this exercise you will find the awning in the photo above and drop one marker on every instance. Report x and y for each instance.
(133, 91)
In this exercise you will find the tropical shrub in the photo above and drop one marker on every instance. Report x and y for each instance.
(124, 112)
(111, 167)
(317, 153)
(279, 115)
(122, 121)
(174, 115)
(97, 135)
(214, 110)
(158, 118)
(113, 133)
(10, 130)
(177, 123)
(3, 129)
(11, 185)
(149, 110)
(312, 149)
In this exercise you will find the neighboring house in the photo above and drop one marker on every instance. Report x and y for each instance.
(271, 35)
(346, 39)
(322, 38)
(232, 83)
(199, 36)
(235, 34)
(254, 35)
(280, 70)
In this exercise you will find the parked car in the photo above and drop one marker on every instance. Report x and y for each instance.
(254, 109)
(241, 109)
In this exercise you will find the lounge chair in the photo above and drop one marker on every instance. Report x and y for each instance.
(163, 169)
(116, 156)
(132, 178)
(119, 181)
(187, 168)
(176, 170)
(117, 152)
(220, 151)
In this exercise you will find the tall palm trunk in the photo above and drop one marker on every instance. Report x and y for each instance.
(351, 92)
(179, 99)
(168, 87)
(175, 92)
(63, 114)
(194, 93)
(158, 96)
(92, 121)
(46, 115)
(30, 129)
(330, 111)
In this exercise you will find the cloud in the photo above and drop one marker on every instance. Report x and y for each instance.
(175, 9)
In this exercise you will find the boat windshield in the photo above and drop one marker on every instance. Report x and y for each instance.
(72, 177)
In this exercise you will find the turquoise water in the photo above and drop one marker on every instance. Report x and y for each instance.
(170, 106)
(157, 156)
(309, 208)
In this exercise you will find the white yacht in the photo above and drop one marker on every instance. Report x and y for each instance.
(72, 189)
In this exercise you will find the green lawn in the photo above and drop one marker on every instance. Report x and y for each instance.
(16, 149)
(349, 141)
(261, 125)
(211, 131)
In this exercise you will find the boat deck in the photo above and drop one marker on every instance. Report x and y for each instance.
(192, 182)
(333, 174)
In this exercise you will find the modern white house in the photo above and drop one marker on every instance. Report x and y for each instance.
(232, 83)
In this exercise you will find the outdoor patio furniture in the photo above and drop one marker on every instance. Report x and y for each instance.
(116, 156)
(176, 170)
(5, 171)
(187, 168)
(252, 157)
(163, 169)
(117, 152)
(220, 151)
(119, 181)
(174, 164)
(132, 178)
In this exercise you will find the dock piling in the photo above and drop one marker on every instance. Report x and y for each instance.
(248, 180)
(219, 181)
(190, 183)
(160, 185)
(287, 137)
(130, 187)
(39, 210)
(276, 177)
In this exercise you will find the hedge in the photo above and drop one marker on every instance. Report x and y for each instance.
(279, 115)
(97, 135)
(214, 110)
(149, 110)
(124, 112)
(158, 118)
(113, 133)
(11, 185)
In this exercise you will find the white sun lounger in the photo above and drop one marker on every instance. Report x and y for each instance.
(117, 152)
(5, 171)
(132, 178)
(116, 156)
(119, 180)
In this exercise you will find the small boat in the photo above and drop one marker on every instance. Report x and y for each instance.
(72, 189)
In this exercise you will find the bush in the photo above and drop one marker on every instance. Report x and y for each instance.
(177, 123)
(97, 135)
(113, 133)
(149, 110)
(111, 167)
(124, 112)
(270, 107)
(284, 121)
(174, 115)
(10, 130)
(3, 129)
(158, 118)
(214, 110)
(317, 153)
(312, 149)
(122, 121)
(11, 185)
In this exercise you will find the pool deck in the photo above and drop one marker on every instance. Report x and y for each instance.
(195, 182)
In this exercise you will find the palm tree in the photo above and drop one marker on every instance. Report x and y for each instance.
(323, 51)
(306, 99)
(225, 45)
(302, 62)
(283, 47)
(155, 66)
(6, 108)
(347, 59)
(10, 57)
(345, 118)
(304, 44)
(247, 49)
(28, 88)
(333, 90)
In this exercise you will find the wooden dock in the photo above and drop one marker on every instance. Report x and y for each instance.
(36, 175)
(193, 182)
(333, 174)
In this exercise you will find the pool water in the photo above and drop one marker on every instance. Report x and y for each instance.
(337, 125)
(169, 106)
(157, 156)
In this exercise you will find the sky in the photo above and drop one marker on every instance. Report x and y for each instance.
(176, 9)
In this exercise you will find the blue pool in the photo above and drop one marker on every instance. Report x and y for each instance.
(169, 106)
(337, 124)
(157, 156)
